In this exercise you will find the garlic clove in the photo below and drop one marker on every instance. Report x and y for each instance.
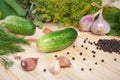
(55, 67)
(29, 64)
(64, 61)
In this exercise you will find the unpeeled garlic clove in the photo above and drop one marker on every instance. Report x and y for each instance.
(64, 61)
(29, 64)
(55, 67)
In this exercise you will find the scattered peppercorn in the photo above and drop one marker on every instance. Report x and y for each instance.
(84, 41)
(93, 56)
(81, 53)
(94, 42)
(86, 48)
(84, 59)
(56, 56)
(82, 69)
(73, 46)
(44, 70)
(115, 59)
(102, 60)
(95, 63)
(73, 58)
(97, 47)
(90, 69)
(93, 52)
(68, 53)
(82, 46)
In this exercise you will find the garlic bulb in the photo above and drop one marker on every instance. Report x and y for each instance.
(86, 21)
(100, 26)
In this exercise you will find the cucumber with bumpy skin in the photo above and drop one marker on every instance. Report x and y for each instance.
(19, 25)
(57, 40)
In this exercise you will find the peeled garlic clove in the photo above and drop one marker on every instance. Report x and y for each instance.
(29, 64)
(64, 61)
(55, 67)
(86, 22)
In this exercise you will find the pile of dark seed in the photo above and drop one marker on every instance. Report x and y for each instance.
(109, 45)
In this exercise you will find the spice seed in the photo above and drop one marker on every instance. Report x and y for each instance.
(93, 56)
(81, 53)
(115, 59)
(95, 63)
(68, 53)
(84, 41)
(73, 46)
(82, 46)
(102, 60)
(73, 58)
(44, 70)
(86, 48)
(84, 59)
(93, 52)
(91, 43)
(56, 56)
(90, 69)
(82, 69)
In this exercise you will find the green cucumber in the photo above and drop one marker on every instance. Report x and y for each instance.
(57, 40)
(19, 25)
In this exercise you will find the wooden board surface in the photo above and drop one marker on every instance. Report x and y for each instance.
(107, 70)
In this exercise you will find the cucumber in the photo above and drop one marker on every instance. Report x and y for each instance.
(57, 40)
(19, 25)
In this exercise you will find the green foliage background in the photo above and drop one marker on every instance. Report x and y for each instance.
(63, 12)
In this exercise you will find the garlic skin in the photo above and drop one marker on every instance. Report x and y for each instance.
(86, 22)
(100, 26)
(64, 61)
(55, 67)
(29, 64)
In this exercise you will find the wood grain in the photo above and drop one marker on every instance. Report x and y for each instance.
(107, 70)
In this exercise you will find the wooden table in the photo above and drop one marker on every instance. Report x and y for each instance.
(88, 66)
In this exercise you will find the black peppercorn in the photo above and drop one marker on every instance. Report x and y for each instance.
(73, 58)
(68, 53)
(115, 59)
(84, 59)
(81, 53)
(56, 56)
(109, 45)
(44, 70)
(96, 63)
(102, 60)
(82, 69)
(90, 69)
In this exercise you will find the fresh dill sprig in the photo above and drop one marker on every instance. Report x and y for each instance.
(9, 43)
(9, 37)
